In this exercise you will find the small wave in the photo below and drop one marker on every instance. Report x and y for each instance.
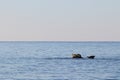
(111, 79)
(115, 59)
(66, 58)
(62, 58)
(58, 58)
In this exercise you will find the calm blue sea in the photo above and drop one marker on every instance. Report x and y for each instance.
(52, 61)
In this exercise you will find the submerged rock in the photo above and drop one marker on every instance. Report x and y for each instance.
(91, 57)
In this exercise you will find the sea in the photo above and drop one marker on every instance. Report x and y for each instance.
(50, 60)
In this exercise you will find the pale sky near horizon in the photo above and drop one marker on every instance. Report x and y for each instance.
(60, 20)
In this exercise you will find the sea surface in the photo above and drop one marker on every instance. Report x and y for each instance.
(53, 60)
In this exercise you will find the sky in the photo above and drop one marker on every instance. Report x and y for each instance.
(59, 20)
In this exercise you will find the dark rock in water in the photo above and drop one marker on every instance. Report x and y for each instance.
(76, 56)
(79, 56)
(91, 57)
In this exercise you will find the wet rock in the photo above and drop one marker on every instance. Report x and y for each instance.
(76, 56)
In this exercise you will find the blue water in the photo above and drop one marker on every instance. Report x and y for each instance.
(52, 61)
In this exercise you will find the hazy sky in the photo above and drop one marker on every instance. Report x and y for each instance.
(60, 20)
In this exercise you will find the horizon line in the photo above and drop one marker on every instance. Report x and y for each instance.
(54, 41)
